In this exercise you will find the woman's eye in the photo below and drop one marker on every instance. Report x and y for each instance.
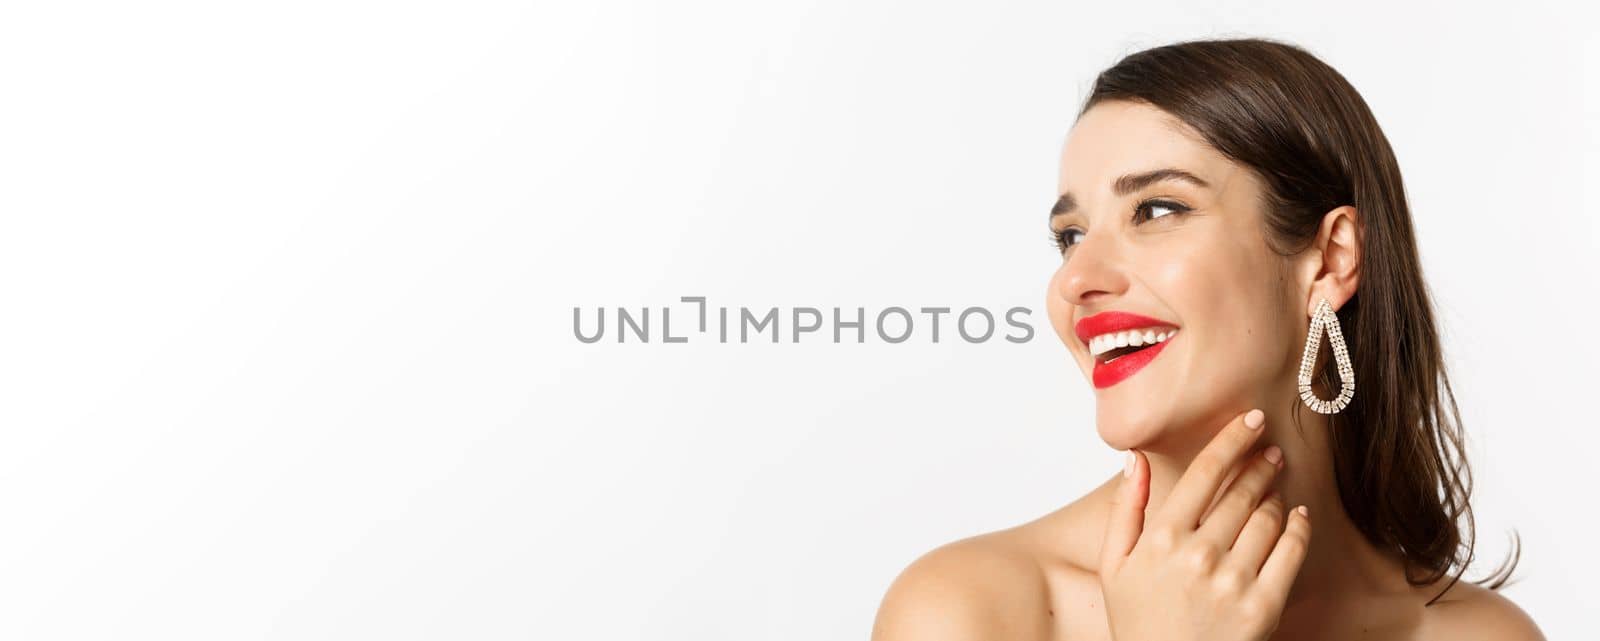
(1153, 209)
(1066, 238)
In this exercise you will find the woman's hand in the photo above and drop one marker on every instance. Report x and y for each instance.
(1189, 574)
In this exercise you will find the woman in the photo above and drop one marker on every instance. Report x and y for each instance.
(1228, 211)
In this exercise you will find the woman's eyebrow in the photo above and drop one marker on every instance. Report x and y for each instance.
(1134, 182)
(1064, 205)
(1130, 183)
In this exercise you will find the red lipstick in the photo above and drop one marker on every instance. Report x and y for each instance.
(1108, 374)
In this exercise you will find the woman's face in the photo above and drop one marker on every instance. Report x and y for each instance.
(1160, 225)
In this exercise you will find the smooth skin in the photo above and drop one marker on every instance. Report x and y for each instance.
(1198, 569)
(1200, 539)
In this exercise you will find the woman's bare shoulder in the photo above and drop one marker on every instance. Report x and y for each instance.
(994, 585)
(1470, 611)
(984, 586)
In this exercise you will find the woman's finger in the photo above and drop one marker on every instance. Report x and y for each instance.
(1233, 473)
(1221, 526)
(1126, 520)
(1192, 494)
(1278, 573)
(1256, 539)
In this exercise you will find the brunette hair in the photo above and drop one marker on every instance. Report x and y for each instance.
(1398, 453)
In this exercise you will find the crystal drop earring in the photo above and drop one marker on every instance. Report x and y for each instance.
(1325, 320)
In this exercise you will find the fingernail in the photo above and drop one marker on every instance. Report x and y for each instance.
(1127, 465)
(1274, 454)
(1303, 511)
(1254, 419)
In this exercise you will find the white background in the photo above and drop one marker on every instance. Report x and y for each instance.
(288, 288)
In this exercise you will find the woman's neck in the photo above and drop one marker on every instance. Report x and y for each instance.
(1340, 561)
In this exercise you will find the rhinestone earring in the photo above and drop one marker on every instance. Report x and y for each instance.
(1324, 319)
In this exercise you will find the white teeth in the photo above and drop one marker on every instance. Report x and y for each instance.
(1135, 337)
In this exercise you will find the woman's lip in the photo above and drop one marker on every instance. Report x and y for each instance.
(1107, 322)
(1108, 374)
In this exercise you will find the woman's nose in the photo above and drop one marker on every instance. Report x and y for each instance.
(1092, 272)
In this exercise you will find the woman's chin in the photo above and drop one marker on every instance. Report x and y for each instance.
(1122, 429)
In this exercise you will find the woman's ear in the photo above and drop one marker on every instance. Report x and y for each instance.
(1334, 261)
